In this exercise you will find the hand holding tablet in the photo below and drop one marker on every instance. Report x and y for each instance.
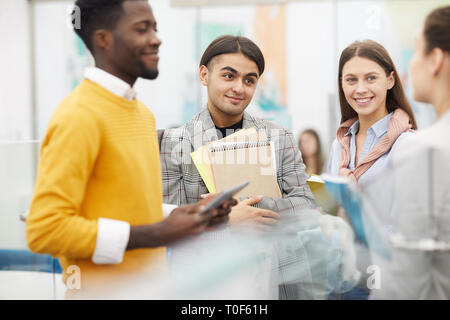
(224, 196)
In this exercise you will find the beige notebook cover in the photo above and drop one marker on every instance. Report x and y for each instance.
(233, 163)
(201, 155)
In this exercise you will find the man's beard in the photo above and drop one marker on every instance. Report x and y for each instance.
(146, 73)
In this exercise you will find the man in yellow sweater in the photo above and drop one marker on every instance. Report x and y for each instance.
(98, 193)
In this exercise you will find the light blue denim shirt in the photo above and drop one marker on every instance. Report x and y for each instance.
(377, 179)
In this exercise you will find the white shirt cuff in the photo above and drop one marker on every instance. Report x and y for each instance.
(167, 209)
(112, 241)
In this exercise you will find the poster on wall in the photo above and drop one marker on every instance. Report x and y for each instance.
(266, 26)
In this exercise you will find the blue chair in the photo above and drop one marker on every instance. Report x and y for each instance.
(25, 260)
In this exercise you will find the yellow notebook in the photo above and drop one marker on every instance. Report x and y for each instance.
(202, 163)
(323, 198)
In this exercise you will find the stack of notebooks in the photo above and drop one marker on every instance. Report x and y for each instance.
(246, 155)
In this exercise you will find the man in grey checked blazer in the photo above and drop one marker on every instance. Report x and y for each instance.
(182, 183)
(230, 68)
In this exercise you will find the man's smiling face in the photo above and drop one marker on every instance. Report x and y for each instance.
(231, 82)
(136, 44)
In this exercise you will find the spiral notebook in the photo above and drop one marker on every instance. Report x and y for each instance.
(201, 159)
(235, 162)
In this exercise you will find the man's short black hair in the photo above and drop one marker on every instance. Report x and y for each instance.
(234, 44)
(97, 14)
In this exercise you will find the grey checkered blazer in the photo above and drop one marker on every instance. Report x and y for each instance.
(182, 184)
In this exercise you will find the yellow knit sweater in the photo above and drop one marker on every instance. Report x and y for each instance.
(99, 158)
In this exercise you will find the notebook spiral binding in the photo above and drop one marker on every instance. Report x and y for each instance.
(238, 145)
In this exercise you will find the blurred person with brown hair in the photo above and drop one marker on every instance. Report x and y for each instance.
(420, 268)
(311, 150)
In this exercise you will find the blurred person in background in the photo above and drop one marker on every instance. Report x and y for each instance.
(420, 268)
(311, 150)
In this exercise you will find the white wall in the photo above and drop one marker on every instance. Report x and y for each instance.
(55, 59)
(16, 188)
(311, 67)
(15, 82)
(16, 166)
(177, 79)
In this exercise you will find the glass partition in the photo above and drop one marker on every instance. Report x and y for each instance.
(23, 274)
